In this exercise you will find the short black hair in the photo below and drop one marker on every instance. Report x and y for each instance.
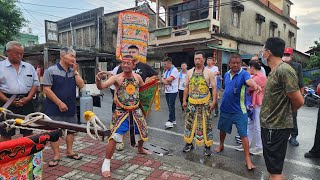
(255, 63)
(200, 52)
(276, 46)
(133, 47)
(184, 63)
(211, 58)
(235, 56)
(167, 59)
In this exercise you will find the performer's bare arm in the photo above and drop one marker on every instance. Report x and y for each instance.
(53, 97)
(138, 77)
(212, 79)
(102, 85)
(186, 89)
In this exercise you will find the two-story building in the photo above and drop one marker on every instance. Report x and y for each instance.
(220, 27)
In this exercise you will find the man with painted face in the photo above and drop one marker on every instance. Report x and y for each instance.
(282, 97)
(233, 109)
(144, 70)
(287, 58)
(127, 115)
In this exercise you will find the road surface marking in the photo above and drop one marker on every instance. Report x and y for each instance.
(233, 147)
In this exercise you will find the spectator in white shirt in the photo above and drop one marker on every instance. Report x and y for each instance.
(182, 80)
(170, 81)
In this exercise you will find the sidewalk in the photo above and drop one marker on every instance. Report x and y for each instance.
(125, 164)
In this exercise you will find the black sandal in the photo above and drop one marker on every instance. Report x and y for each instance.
(54, 162)
(75, 156)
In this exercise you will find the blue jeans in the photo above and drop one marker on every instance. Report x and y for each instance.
(171, 101)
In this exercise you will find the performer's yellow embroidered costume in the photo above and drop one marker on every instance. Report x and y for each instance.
(128, 115)
(198, 122)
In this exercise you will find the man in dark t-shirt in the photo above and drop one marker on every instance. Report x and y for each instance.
(144, 70)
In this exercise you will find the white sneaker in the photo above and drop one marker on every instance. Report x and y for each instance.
(174, 122)
(169, 124)
(239, 148)
(256, 151)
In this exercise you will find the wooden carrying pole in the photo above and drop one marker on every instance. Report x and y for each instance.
(52, 124)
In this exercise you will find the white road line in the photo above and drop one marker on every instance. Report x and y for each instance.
(233, 147)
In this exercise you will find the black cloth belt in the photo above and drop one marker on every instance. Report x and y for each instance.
(131, 126)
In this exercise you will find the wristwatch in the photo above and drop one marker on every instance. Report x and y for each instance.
(75, 73)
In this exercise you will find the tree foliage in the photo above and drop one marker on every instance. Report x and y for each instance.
(11, 20)
(314, 61)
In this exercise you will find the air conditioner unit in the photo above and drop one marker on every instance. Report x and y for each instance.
(157, 65)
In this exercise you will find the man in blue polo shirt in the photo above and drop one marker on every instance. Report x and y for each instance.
(233, 108)
(59, 84)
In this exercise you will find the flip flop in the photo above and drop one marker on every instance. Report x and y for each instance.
(75, 156)
(54, 162)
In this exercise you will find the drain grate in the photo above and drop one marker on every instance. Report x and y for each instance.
(156, 149)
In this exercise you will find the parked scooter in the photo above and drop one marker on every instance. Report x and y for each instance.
(311, 98)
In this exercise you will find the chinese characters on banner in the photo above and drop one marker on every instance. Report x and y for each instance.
(132, 30)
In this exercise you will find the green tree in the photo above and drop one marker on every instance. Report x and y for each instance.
(314, 61)
(11, 20)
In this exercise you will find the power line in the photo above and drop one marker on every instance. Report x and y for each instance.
(51, 6)
(30, 14)
(37, 12)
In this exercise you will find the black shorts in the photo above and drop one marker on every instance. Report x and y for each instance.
(274, 143)
(24, 110)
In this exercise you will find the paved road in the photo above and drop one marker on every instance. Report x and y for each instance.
(296, 166)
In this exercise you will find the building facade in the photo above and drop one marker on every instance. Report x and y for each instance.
(26, 39)
(220, 27)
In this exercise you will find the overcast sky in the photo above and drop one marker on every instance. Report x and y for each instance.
(307, 13)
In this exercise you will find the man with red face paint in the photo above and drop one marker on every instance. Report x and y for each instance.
(127, 115)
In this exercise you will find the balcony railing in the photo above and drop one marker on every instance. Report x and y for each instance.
(199, 24)
(190, 26)
(163, 31)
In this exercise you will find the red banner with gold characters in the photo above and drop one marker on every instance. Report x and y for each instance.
(132, 30)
